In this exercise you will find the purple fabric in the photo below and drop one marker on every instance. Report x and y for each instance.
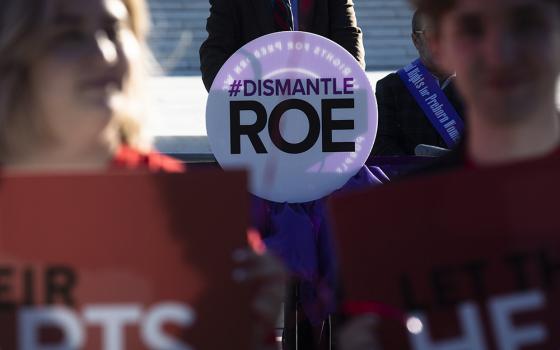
(397, 166)
(299, 235)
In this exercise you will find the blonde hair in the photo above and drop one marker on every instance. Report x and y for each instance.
(21, 25)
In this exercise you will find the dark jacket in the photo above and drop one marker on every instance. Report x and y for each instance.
(402, 123)
(454, 160)
(233, 23)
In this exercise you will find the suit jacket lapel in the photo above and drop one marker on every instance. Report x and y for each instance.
(263, 10)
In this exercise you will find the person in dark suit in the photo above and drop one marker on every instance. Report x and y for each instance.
(402, 123)
(233, 23)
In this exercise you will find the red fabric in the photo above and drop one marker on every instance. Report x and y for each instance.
(131, 159)
(305, 9)
(354, 308)
(472, 164)
(270, 338)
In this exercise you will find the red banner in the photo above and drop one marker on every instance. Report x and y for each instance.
(467, 260)
(123, 261)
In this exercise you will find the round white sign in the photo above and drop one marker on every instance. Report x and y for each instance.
(297, 111)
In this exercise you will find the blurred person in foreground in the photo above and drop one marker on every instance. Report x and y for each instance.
(507, 57)
(403, 124)
(71, 74)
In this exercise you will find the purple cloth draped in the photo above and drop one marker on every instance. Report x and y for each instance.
(299, 235)
(397, 166)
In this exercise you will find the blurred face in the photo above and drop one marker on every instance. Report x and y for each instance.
(506, 54)
(79, 82)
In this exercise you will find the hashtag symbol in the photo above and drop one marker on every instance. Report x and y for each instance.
(235, 88)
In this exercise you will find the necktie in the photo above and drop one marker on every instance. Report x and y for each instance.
(305, 11)
(283, 15)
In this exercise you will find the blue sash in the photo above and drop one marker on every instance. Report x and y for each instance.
(436, 106)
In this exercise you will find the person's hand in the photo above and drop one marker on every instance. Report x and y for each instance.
(359, 334)
(267, 272)
(258, 267)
